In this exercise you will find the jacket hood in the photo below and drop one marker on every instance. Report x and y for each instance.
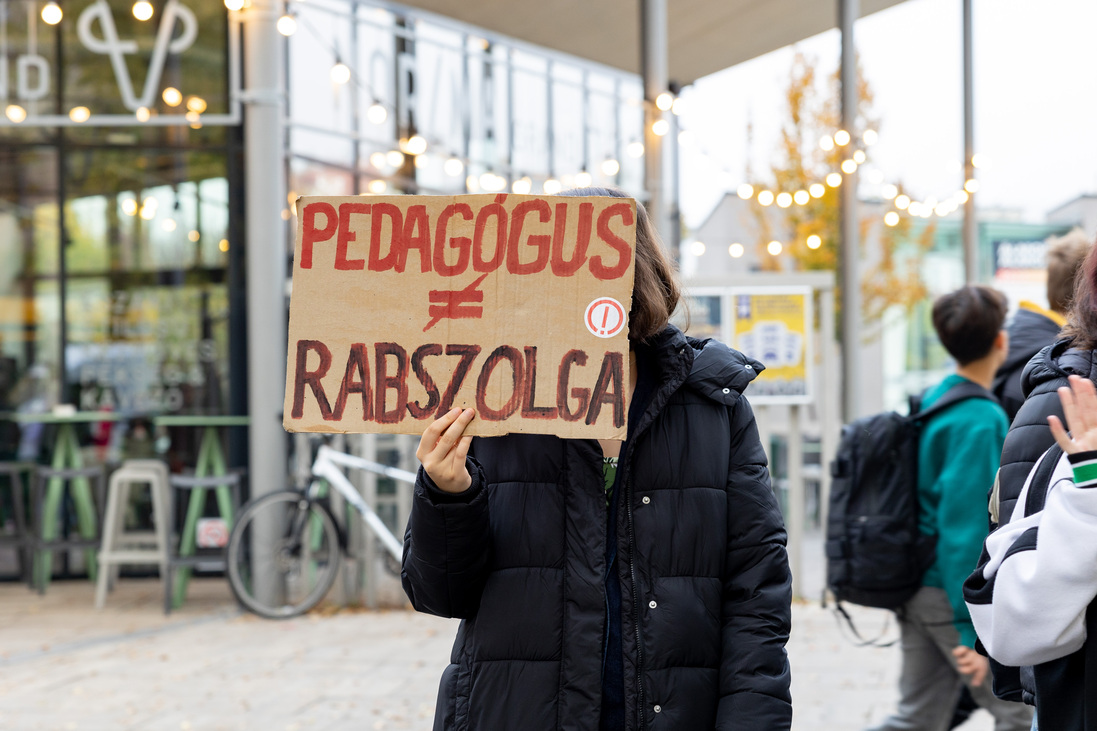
(719, 372)
(1029, 333)
(1056, 362)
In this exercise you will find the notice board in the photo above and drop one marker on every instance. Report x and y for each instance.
(404, 307)
(774, 326)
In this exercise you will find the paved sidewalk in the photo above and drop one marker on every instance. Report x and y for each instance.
(65, 666)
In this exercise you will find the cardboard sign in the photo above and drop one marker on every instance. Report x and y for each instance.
(517, 306)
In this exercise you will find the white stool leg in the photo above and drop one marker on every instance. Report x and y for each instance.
(110, 519)
(120, 529)
(160, 495)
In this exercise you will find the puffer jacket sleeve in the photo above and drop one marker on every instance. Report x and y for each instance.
(1028, 438)
(447, 547)
(757, 592)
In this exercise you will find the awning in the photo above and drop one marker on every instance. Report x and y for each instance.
(704, 36)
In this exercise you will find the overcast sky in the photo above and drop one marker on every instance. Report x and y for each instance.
(1035, 104)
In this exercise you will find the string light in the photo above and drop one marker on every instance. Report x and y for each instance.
(765, 197)
(395, 158)
(610, 167)
(142, 10)
(551, 186)
(784, 200)
(421, 161)
(902, 201)
(664, 101)
(197, 104)
(377, 186)
(287, 25)
(15, 113)
(635, 149)
(849, 167)
(971, 186)
(172, 96)
(869, 136)
(801, 197)
(859, 157)
(817, 190)
(774, 248)
(814, 241)
(143, 114)
(414, 145)
(472, 184)
(79, 114)
(889, 191)
(841, 138)
(340, 73)
(826, 142)
(583, 179)
(697, 248)
(834, 180)
(377, 114)
(522, 186)
(233, 5)
(453, 167)
(660, 127)
(746, 191)
(891, 218)
(129, 207)
(378, 160)
(52, 13)
(193, 235)
(735, 250)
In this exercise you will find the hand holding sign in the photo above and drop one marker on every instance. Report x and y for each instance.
(443, 448)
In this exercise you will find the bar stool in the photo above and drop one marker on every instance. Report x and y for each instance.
(121, 547)
(14, 472)
(47, 536)
(185, 556)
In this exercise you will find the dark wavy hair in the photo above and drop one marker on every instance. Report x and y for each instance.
(1081, 327)
(656, 291)
(968, 320)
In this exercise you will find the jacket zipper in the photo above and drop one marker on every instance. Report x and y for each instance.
(635, 600)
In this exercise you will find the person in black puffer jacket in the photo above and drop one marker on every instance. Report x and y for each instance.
(656, 599)
(1028, 438)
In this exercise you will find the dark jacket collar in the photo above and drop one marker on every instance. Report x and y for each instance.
(1056, 362)
(708, 367)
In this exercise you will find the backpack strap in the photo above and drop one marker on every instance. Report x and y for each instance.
(1041, 480)
(956, 394)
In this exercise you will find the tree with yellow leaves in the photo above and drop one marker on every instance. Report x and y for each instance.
(806, 179)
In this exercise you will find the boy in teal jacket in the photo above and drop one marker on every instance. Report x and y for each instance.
(957, 458)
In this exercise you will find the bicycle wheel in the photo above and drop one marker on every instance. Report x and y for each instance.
(283, 555)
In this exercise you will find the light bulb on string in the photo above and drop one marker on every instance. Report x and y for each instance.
(551, 186)
(377, 187)
(287, 25)
(522, 186)
(234, 5)
(15, 113)
(834, 180)
(859, 157)
(697, 248)
(377, 114)
(849, 167)
(841, 138)
(395, 158)
(801, 197)
(817, 190)
(660, 127)
(635, 149)
(453, 167)
(889, 191)
(902, 201)
(583, 179)
(765, 197)
(414, 145)
(79, 114)
(784, 200)
(610, 167)
(664, 101)
(378, 160)
(774, 248)
(826, 143)
(869, 136)
(814, 241)
(735, 250)
(142, 10)
(971, 186)
(745, 191)
(340, 73)
(52, 13)
(891, 218)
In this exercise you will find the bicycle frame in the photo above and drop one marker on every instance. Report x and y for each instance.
(326, 466)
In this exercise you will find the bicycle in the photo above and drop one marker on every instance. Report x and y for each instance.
(284, 551)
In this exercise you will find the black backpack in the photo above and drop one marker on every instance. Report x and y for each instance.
(876, 555)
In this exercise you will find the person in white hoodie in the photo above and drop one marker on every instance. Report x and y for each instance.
(1032, 596)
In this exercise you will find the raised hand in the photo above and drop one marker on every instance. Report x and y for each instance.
(443, 448)
(1080, 409)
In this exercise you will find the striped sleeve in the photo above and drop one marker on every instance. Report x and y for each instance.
(1038, 574)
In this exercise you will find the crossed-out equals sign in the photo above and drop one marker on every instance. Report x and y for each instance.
(455, 304)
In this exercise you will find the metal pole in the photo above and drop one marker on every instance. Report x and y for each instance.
(653, 64)
(265, 197)
(795, 475)
(849, 252)
(971, 226)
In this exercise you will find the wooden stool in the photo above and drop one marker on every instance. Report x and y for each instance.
(49, 488)
(118, 546)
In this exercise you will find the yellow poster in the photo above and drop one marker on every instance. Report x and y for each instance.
(774, 327)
